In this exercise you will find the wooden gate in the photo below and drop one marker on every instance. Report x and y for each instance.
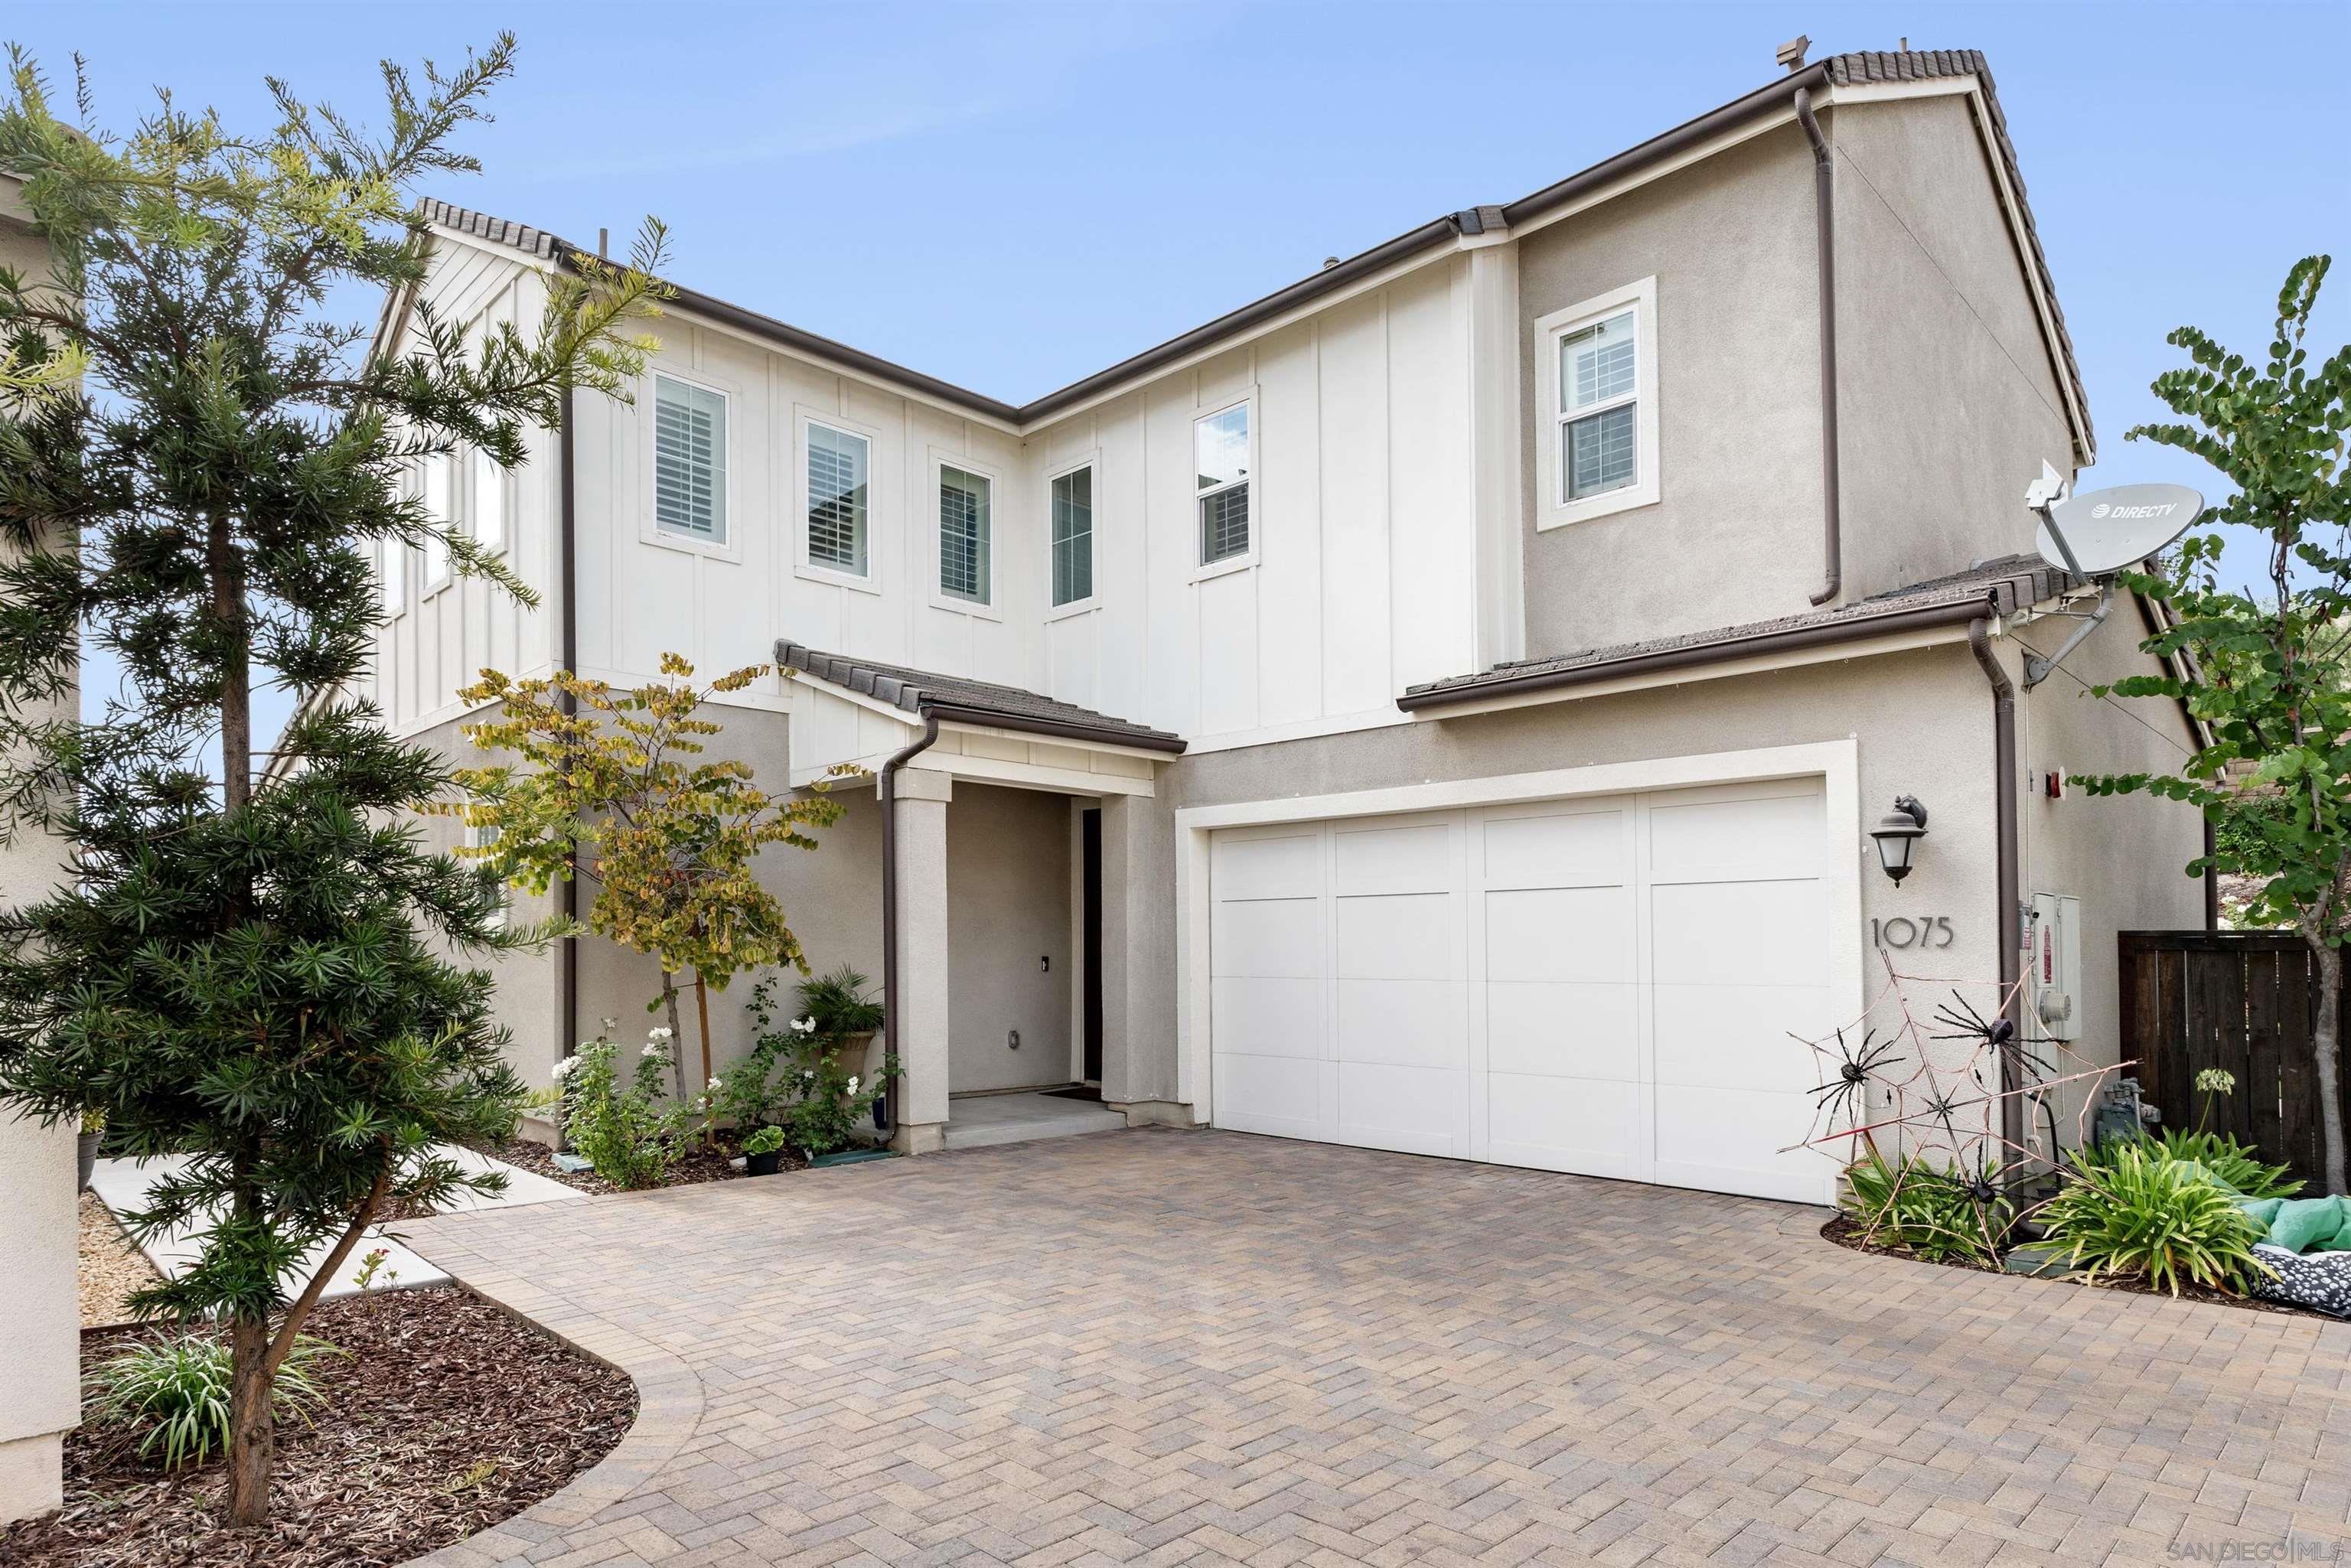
(2241, 1001)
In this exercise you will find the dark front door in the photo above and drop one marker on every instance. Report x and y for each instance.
(1092, 834)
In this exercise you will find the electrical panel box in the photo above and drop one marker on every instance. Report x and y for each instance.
(2052, 982)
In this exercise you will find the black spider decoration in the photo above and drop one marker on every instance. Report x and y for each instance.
(2000, 1033)
(1846, 1091)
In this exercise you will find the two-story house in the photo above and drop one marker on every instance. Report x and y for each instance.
(1441, 705)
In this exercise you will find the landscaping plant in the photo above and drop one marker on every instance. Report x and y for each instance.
(176, 1391)
(669, 841)
(1935, 1214)
(2129, 1210)
(199, 464)
(622, 1122)
(797, 1073)
(2263, 670)
(2239, 1166)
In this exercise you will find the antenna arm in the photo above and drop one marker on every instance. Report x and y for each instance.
(2037, 668)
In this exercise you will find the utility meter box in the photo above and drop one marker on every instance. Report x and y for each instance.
(2053, 985)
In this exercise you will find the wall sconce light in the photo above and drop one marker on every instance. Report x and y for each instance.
(1897, 833)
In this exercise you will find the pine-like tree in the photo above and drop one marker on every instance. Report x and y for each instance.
(196, 461)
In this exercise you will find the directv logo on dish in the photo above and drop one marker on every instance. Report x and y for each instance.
(2102, 511)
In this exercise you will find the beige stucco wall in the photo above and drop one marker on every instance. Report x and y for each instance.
(1947, 400)
(1007, 908)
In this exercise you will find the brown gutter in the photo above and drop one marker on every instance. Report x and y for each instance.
(1065, 729)
(888, 792)
(1824, 241)
(568, 587)
(2006, 930)
(1825, 633)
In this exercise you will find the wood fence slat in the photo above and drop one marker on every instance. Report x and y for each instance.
(2260, 1086)
(2303, 1147)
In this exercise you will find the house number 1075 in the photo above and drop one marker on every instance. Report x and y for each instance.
(1925, 930)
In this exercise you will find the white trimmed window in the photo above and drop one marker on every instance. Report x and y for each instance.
(1074, 536)
(1598, 366)
(440, 505)
(965, 501)
(490, 501)
(689, 460)
(392, 572)
(1222, 455)
(484, 839)
(839, 482)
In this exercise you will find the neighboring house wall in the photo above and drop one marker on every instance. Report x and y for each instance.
(1947, 402)
(40, 1397)
(1008, 908)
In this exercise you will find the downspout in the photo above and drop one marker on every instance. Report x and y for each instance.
(888, 792)
(1825, 228)
(2004, 927)
(567, 584)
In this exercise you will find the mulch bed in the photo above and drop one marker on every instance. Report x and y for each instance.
(110, 1268)
(446, 1417)
(1848, 1233)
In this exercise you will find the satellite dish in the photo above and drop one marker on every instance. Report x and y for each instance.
(2108, 530)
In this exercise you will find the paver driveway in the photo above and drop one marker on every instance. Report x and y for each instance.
(1164, 1347)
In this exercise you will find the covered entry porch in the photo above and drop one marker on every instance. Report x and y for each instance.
(1009, 917)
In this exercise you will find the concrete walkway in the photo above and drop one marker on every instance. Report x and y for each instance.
(123, 1186)
(1202, 1348)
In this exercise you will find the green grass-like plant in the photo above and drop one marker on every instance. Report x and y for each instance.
(1925, 1210)
(177, 1389)
(2238, 1165)
(2129, 1210)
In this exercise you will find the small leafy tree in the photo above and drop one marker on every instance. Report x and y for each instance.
(2264, 671)
(195, 464)
(671, 841)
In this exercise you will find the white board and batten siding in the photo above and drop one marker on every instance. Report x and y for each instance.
(1362, 578)
(1615, 985)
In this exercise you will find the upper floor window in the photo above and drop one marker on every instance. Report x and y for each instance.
(1221, 458)
(964, 528)
(392, 569)
(690, 459)
(1074, 536)
(441, 506)
(838, 480)
(1599, 386)
(490, 501)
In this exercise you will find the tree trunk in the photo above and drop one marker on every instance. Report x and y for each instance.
(227, 572)
(252, 1425)
(2325, 1045)
(702, 1007)
(676, 1037)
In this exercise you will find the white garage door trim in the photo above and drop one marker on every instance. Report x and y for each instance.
(1834, 763)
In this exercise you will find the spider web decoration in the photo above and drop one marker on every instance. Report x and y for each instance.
(1942, 1085)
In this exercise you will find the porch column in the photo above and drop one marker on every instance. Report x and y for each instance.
(920, 1113)
(40, 1398)
(1138, 960)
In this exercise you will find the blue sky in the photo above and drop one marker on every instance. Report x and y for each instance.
(1013, 196)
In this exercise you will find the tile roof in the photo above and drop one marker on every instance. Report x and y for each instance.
(1998, 587)
(917, 690)
(1846, 69)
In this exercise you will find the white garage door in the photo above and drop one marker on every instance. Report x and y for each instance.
(1605, 986)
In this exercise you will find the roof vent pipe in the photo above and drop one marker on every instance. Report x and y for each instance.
(1824, 229)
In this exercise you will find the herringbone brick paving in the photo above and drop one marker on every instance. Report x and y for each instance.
(1205, 1348)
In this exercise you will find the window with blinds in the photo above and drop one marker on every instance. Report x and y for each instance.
(1599, 394)
(964, 524)
(690, 459)
(837, 481)
(1073, 536)
(1221, 458)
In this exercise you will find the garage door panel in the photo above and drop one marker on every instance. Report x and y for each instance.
(1281, 1095)
(1742, 836)
(1402, 1024)
(1563, 1124)
(1739, 1037)
(1262, 1017)
(1420, 859)
(1560, 849)
(1739, 934)
(1269, 938)
(1559, 934)
(1564, 1030)
(1417, 1109)
(1396, 935)
(1286, 867)
(1729, 1140)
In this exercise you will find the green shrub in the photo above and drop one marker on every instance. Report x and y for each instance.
(177, 1389)
(1926, 1211)
(2129, 1209)
(2238, 1165)
(838, 1005)
(622, 1128)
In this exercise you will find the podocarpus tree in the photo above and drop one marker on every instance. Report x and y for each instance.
(2263, 670)
(195, 463)
(671, 840)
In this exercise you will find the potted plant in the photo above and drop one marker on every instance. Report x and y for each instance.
(841, 1015)
(93, 1127)
(763, 1152)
